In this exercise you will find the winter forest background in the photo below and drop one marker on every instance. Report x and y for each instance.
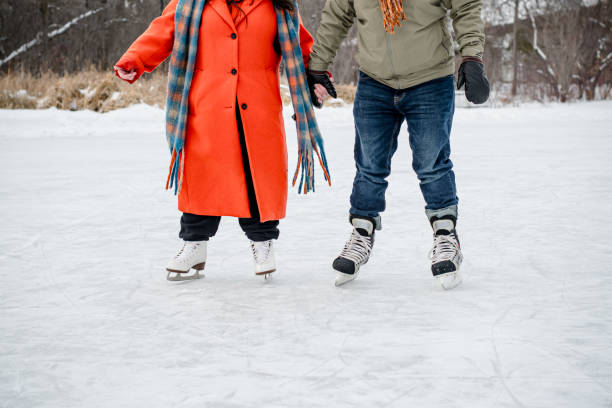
(88, 320)
(535, 49)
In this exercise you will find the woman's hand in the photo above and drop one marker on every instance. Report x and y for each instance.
(126, 75)
(321, 93)
(321, 86)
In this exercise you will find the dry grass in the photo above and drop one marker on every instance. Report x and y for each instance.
(346, 93)
(96, 90)
(90, 89)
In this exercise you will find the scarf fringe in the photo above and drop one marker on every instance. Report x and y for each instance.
(393, 14)
(306, 165)
(175, 172)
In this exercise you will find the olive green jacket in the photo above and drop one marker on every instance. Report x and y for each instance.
(420, 50)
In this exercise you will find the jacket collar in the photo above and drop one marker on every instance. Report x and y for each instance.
(220, 6)
(247, 6)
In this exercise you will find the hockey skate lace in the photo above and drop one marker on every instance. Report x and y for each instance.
(261, 252)
(357, 249)
(444, 248)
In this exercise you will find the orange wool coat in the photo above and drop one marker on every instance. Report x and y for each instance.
(236, 61)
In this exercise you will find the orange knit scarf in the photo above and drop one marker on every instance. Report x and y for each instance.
(393, 14)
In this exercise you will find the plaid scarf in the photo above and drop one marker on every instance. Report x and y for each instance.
(188, 18)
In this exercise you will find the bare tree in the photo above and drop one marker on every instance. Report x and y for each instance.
(595, 55)
(515, 61)
(556, 42)
(561, 47)
(65, 36)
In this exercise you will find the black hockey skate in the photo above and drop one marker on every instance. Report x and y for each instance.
(445, 254)
(356, 251)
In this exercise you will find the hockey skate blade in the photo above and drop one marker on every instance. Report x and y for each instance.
(450, 280)
(344, 278)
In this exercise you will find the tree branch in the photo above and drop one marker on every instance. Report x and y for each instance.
(535, 46)
(25, 47)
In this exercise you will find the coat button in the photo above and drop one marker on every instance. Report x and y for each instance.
(234, 71)
(234, 36)
(244, 106)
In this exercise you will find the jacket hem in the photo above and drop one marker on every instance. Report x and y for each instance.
(416, 78)
(225, 213)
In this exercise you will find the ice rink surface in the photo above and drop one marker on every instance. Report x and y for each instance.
(87, 318)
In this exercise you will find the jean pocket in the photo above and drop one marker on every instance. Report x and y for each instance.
(364, 77)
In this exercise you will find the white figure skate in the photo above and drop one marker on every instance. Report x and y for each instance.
(191, 256)
(263, 257)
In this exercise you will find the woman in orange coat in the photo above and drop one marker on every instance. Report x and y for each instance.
(235, 156)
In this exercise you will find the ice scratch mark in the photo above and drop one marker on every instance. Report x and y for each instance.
(497, 365)
(32, 241)
(51, 278)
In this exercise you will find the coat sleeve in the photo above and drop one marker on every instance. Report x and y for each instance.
(336, 20)
(153, 46)
(468, 26)
(306, 42)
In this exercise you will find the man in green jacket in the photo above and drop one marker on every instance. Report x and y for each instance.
(406, 62)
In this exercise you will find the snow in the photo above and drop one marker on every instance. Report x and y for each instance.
(87, 318)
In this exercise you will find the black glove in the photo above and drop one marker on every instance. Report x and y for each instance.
(322, 78)
(471, 73)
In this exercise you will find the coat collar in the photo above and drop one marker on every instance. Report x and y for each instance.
(220, 6)
(247, 6)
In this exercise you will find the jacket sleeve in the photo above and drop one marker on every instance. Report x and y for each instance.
(336, 20)
(468, 26)
(306, 42)
(153, 46)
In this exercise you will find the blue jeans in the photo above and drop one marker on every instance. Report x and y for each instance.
(379, 114)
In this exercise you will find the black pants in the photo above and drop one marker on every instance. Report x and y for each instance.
(203, 227)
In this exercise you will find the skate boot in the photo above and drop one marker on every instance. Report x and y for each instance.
(356, 251)
(445, 254)
(263, 256)
(191, 256)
